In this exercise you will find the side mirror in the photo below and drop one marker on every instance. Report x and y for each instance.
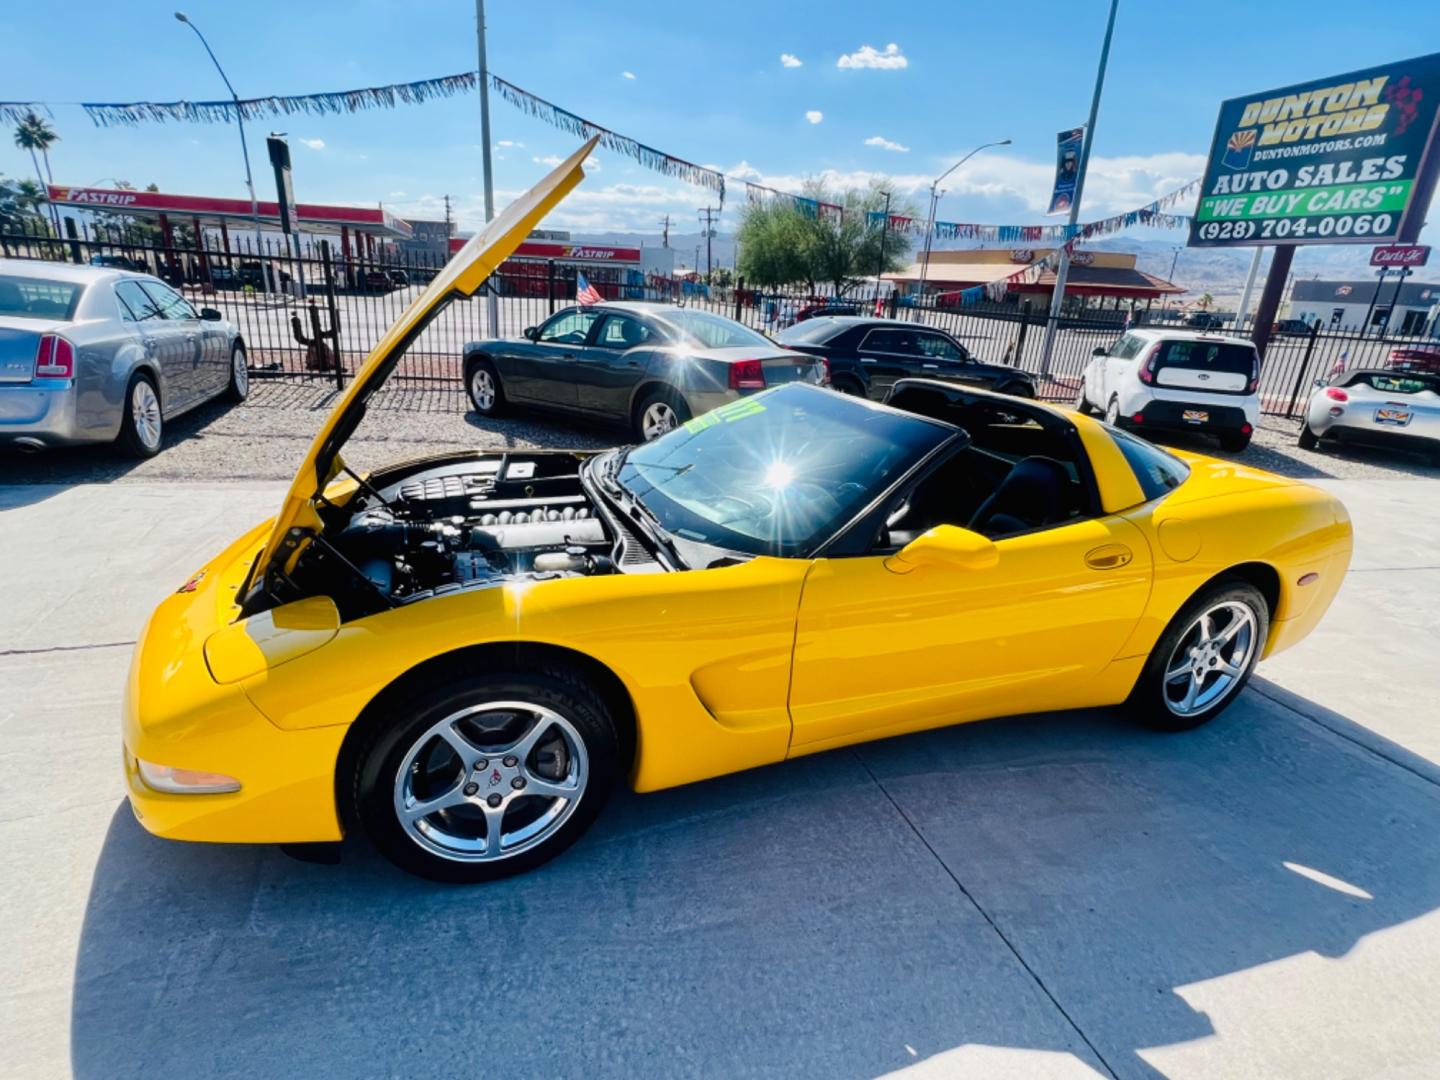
(532, 332)
(209, 314)
(1100, 350)
(945, 545)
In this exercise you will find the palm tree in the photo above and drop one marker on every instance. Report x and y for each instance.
(1205, 301)
(32, 134)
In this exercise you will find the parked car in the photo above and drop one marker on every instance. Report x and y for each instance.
(867, 356)
(1292, 328)
(120, 262)
(828, 307)
(93, 355)
(254, 274)
(1414, 358)
(1204, 320)
(650, 366)
(376, 281)
(1377, 406)
(224, 278)
(1172, 380)
(399, 279)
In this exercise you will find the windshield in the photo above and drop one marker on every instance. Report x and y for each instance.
(38, 298)
(713, 331)
(779, 472)
(1408, 383)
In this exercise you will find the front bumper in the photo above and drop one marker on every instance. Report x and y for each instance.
(176, 714)
(40, 413)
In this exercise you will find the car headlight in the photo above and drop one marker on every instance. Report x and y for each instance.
(176, 781)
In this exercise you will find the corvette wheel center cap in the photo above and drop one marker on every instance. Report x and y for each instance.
(495, 778)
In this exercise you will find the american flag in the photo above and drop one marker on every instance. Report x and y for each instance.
(585, 293)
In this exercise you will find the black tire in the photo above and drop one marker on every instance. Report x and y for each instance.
(1017, 389)
(477, 370)
(131, 438)
(664, 396)
(1234, 441)
(1308, 439)
(847, 385)
(404, 722)
(239, 388)
(1150, 700)
(1112, 412)
(1082, 403)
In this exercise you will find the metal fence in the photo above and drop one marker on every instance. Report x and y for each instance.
(314, 313)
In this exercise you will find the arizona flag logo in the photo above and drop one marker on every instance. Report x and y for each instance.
(1238, 149)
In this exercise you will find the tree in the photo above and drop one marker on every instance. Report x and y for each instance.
(782, 242)
(19, 202)
(34, 134)
(721, 277)
(1205, 301)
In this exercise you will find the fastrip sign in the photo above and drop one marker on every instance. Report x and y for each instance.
(1350, 159)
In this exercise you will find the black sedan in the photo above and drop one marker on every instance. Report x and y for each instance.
(650, 366)
(867, 356)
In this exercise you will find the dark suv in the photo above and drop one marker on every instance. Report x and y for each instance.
(866, 356)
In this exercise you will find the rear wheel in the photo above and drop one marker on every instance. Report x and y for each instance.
(142, 427)
(1204, 658)
(1017, 389)
(847, 386)
(1234, 441)
(1082, 403)
(1308, 439)
(660, 412)
(487, 775)
(239, 388)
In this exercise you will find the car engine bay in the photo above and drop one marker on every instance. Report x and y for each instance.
(431, 528)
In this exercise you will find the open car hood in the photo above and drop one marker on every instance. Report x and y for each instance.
(460, 278)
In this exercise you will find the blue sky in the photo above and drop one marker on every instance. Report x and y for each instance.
(705, 82)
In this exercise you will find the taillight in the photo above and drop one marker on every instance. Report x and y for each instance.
(747, 375)
(55, 358)
(825, 366)
(1254, 381)
(1147, 370)
(1334, 393)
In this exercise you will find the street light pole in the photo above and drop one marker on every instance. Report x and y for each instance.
(935, 194)
(244, 151)
(492, 306)
(1062, 272)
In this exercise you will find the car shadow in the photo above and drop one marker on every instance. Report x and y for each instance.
(841, 915)
(1296, 463)
(47, 472)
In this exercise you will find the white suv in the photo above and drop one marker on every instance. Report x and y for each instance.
(1176, 380)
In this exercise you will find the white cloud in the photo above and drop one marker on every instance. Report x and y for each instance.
(790, 60)
(627, 74)
(867, 56)
(886, 144)
(743, 171)
(814, 116)
(313, 144)
(592, 163)
(397, 195)
(549, 159)
(506, 144)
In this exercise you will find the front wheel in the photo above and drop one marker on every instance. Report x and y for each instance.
(660, 412)
(1082, 403)
(1203, 659)
(487, 775)
(1112, 412)
(239, 388)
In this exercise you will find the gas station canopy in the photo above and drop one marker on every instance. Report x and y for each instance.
(155, 205)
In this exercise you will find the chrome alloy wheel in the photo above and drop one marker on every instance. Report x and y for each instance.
(482, 389)
(145, 412)
(240, 371)
(1210, 658)
(491, 781)
(658, 419)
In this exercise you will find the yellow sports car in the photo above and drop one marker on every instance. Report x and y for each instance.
(461, 655)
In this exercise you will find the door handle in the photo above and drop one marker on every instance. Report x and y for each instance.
(867, 360)
(928, 367)
(1108, 557)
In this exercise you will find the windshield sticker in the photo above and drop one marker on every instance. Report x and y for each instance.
(735, 410)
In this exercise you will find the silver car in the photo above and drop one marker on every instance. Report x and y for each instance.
(92, 354)
(1376, 405)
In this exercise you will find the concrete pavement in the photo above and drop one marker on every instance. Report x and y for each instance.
(1051, 896)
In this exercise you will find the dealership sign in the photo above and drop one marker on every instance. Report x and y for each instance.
(1350, 159)
(1400, 255)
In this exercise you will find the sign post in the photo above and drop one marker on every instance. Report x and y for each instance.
(1351, 159)
(279, 151)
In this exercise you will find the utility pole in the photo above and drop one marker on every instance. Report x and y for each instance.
(1164, 304)
(492, 307)
(707, 217)
(449, 228)
(665, 231)
(1062, 272)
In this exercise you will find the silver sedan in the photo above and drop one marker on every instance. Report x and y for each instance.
(92, 354)
(1376, 405)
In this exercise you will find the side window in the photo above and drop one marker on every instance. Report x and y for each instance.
(621, 332)
(1157, 471)
(136, 305)
(1126, 347)
(570, 328)
(938, 347)
(170, 303)
(889, 341)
